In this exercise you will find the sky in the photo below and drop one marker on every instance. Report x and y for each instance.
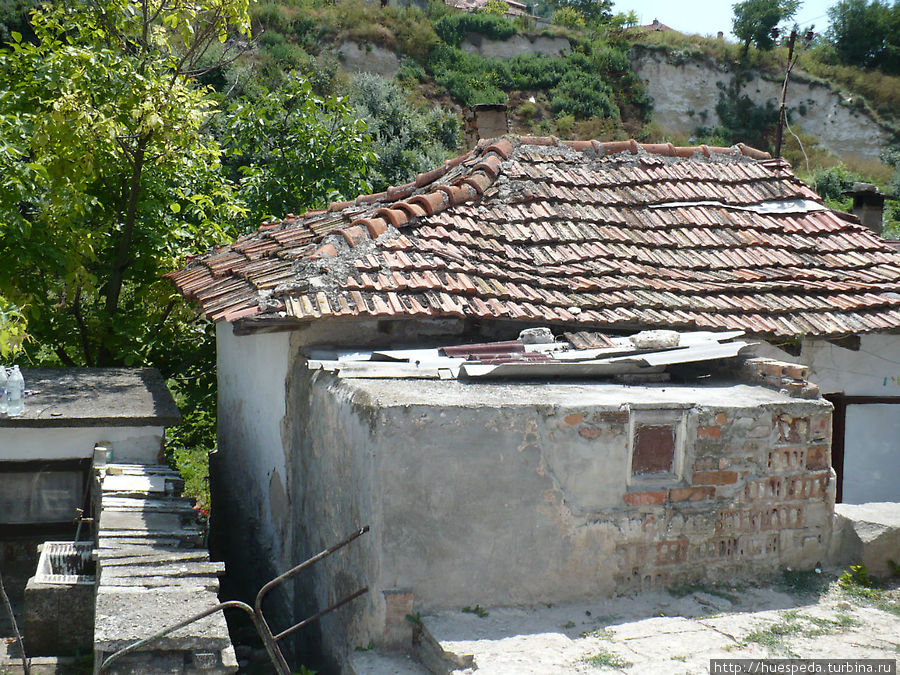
(707, 17)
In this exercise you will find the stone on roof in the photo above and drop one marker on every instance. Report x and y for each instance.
(589, 235)
(81, 397)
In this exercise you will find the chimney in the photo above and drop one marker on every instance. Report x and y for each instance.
(868, 205)
(487, 120)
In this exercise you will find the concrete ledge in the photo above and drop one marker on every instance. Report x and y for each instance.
(867, 534)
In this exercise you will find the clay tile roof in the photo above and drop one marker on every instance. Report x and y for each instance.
(588, 235)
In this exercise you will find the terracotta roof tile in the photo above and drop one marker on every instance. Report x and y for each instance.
(633, 235)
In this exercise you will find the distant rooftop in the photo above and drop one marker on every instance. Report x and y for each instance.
(82, 397)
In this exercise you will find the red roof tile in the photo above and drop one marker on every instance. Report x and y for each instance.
(531, 229)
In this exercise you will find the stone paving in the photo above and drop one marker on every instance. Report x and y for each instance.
(800, 616)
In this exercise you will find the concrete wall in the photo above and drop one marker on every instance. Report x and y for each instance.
(335, 491)
(871, 460)
(140, 445)
(514, 494)
(692, 86)
(251, 526)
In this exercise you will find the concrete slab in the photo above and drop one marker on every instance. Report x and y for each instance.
(867, 534)
(134, 484)
(78, 397)
(647, 634)
(125, 615)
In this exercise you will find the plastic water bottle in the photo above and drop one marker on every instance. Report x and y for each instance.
(4, 402)
(15, 389)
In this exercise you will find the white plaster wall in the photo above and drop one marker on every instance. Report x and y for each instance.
(140, 445)
(871, 477)
(692, 86)
(873, 370)
(248, 473)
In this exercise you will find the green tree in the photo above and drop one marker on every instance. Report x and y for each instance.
(593, 11)
(407, 140)
(291, 150)
(754, 20)
(865, 34)
(111, 180)
(12, 329)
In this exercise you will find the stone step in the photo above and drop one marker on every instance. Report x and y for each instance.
(127, 614)
(171, 569)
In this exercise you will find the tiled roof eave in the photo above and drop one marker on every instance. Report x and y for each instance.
(541, 231)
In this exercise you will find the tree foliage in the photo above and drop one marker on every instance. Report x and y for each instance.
(754, 20)
(109, 178)
(291, 150)
(406, 139)
(866, 34)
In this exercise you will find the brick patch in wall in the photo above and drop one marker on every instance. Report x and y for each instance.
(691, 494)
(817, 458)
(591, 433)
(671, 552)
(709, 432)
(714, 477)
(573, 419)
(786, 459)
(645, 498)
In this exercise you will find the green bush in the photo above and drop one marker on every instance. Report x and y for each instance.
(454, 28)
(407, 139)
(569, 17)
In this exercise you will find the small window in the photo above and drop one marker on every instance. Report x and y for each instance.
(657, 447)
(654, 449)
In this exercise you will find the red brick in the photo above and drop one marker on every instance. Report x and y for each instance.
(691, 494)
(817, 457)
(721, 418)
(709, 432)
(645, 498)
(714, 478)
(573, 419)
(591, 432)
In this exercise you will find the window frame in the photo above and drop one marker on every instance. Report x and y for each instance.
(663, 416)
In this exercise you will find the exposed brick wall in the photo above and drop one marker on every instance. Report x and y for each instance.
(756, 493)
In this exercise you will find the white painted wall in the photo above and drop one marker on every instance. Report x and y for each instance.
(872, 475)
(140, 445)
(874, 370)
(248, 472)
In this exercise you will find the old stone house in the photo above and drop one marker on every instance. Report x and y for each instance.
(513, 493)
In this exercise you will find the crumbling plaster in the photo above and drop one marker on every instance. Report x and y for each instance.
(871, 462)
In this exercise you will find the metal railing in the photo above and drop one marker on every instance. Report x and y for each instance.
(270, 640)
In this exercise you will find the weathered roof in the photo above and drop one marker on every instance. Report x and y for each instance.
(612, 235)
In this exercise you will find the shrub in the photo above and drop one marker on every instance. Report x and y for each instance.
(564, 125)
(569, 17)
(454, 28)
